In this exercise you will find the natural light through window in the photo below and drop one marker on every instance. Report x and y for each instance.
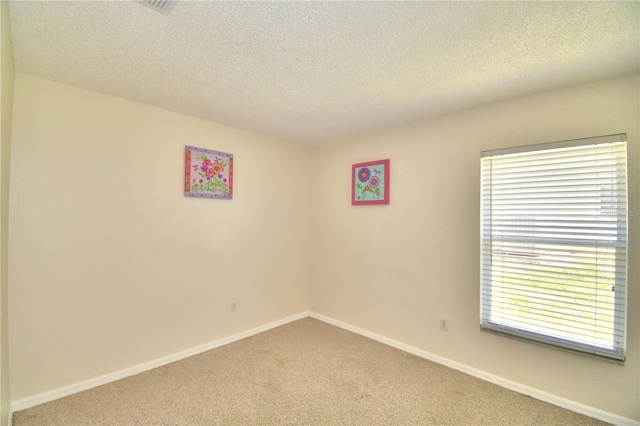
(554, 244)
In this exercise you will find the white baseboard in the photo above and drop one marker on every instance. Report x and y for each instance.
(517, 387)
(32, 401)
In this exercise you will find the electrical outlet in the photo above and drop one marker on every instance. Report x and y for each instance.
(233, 306)
(444, 324)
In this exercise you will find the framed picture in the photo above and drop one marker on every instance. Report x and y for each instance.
(370, 183)
(207, 174)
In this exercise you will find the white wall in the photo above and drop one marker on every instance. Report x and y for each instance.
(111, 266)
(6, 90)
(394, 270)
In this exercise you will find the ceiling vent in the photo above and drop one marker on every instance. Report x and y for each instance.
(162, 6)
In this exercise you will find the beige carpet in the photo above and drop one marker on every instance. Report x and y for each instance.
(305, 372)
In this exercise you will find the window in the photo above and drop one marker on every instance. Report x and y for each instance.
(554, 244)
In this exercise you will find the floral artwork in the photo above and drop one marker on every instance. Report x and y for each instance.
(370, 183)
(207, 174)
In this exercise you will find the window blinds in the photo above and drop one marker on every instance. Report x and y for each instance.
(554, 244)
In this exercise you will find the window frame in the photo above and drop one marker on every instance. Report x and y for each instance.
(487, 323)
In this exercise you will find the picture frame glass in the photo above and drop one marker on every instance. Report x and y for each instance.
(370, 183)
(208, 173)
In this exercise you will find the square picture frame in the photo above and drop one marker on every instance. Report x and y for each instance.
(370, 183)
(207, 173)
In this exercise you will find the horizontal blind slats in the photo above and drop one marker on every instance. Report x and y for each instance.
(553, 229)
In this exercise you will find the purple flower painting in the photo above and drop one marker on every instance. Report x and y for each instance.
(370, 183)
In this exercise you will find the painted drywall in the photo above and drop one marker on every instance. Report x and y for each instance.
(6, 91)
(395, 270)
(111, 266)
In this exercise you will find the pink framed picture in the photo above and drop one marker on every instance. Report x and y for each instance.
(207, 174)
(370, 183)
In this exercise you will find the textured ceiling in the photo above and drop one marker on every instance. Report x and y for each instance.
(310, 71)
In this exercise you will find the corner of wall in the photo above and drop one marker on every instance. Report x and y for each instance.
(6, 90)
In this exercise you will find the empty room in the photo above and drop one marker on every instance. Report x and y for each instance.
(320, 213)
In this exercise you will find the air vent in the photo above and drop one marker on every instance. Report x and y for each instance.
(162, 6)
